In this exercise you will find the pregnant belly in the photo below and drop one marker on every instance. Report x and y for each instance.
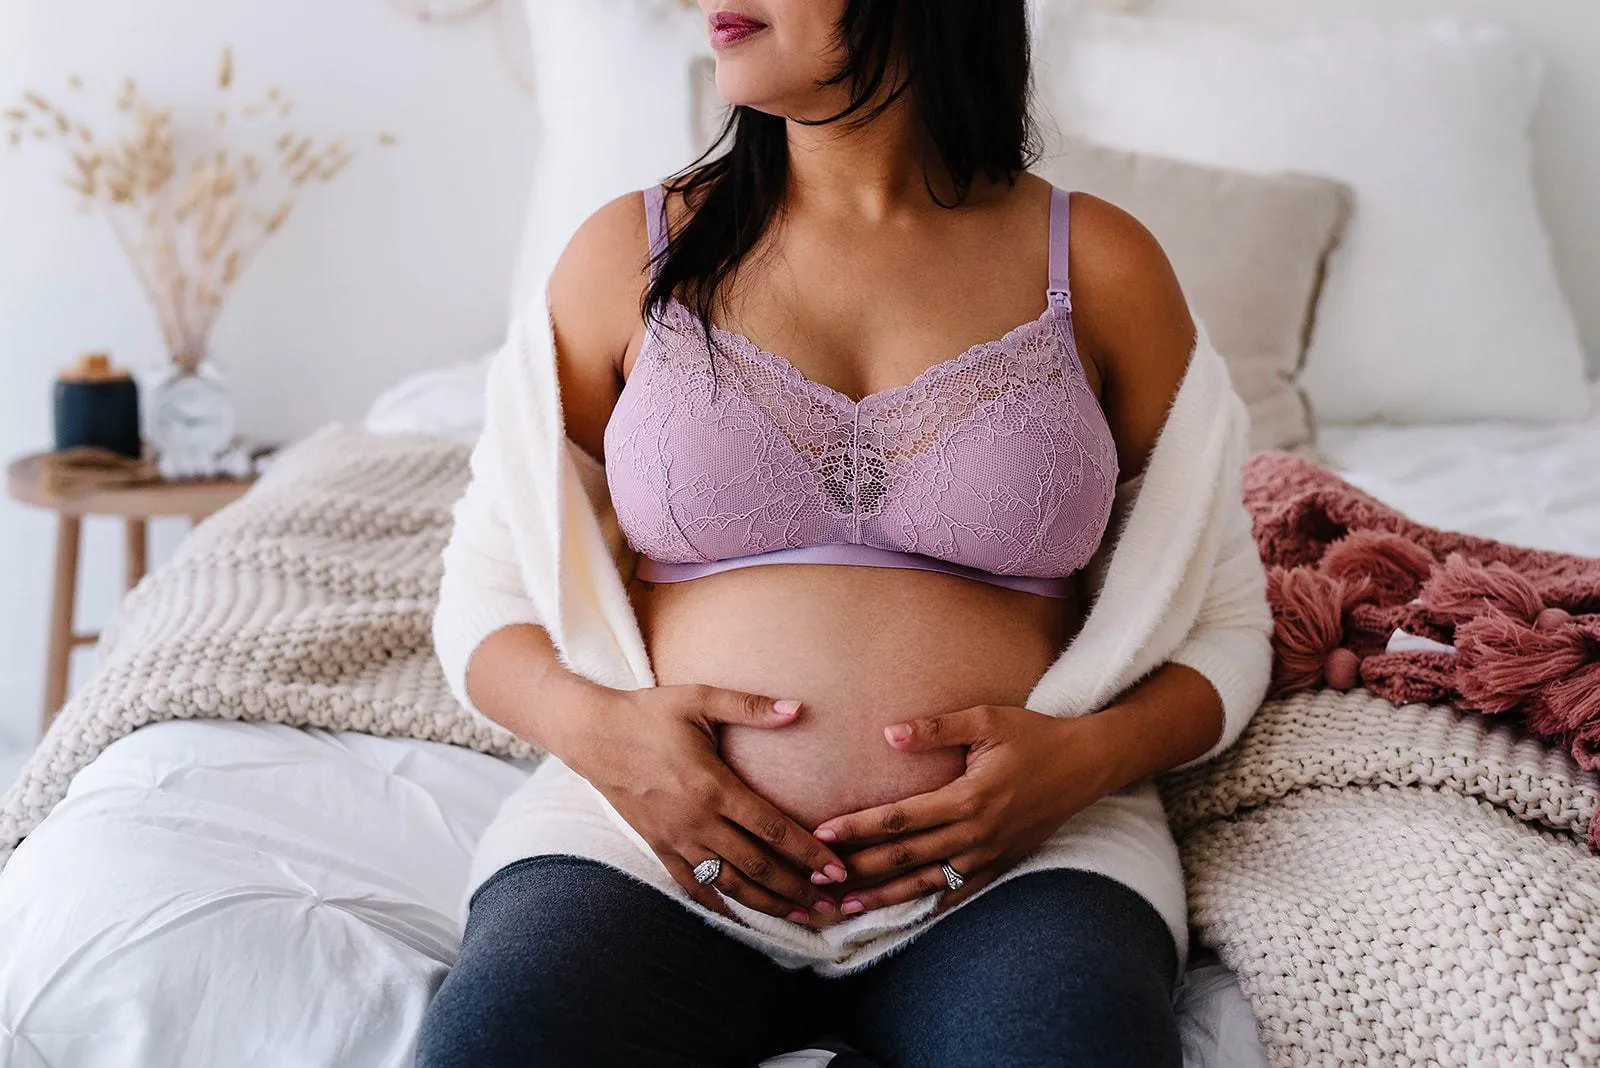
(861, 648)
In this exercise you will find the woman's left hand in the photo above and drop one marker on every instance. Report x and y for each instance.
(1027, 774)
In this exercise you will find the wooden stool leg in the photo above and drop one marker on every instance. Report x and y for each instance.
(59, 660)
(134, 558)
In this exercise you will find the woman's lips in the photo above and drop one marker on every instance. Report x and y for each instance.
(730, 27)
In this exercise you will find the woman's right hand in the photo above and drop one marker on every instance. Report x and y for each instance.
(652, 753)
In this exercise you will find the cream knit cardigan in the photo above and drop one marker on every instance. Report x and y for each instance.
(536, 541)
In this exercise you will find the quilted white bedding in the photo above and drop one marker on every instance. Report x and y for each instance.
(216, 893)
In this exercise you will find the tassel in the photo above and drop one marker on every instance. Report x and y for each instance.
(1575, 701)
(1548, 725)
(1461, 591)
(1503, 663)
(1307, 625)
(1395, 566)
(1585, 749)
(1542, 722)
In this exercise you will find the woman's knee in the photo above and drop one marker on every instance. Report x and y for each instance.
(521, 972)
(1056, 967)
(1091, 965)
(568, 961)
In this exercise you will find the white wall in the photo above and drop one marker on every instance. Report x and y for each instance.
(402, 263)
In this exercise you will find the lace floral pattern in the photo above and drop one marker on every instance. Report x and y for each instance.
(999, 458)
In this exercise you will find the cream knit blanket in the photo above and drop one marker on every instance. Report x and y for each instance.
(1398, 885)
(308, 602)
(1393, 885)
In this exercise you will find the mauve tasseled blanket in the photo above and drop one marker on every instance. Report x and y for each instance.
(1509, 630)
(1394, 884)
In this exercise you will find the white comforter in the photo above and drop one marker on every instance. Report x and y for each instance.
(216, 893)
(1535, 485)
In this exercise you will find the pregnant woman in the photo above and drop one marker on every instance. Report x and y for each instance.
(921, 387)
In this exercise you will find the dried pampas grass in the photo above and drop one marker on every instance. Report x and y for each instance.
(189, 224)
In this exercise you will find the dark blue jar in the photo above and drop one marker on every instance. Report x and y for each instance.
(98, 405)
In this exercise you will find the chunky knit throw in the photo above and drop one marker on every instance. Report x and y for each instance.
(307, 602)
(1393, 884)
(1398, 885)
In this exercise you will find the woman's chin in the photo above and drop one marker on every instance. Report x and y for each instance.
(745, 81)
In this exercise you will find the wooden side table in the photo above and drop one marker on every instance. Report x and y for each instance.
(136, 505)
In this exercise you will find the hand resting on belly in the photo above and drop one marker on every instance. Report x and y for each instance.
(833, 760)
(861, 649)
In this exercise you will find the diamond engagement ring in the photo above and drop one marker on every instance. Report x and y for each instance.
(952, 877)
(706, 872)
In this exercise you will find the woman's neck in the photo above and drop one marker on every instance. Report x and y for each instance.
(871, 172)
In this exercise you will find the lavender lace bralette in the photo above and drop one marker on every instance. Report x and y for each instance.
(995, 465)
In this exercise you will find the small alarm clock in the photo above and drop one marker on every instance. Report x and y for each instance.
(191, 417)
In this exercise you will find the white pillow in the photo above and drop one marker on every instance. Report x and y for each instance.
(1442, 302)
(447, 403)
(618, 85)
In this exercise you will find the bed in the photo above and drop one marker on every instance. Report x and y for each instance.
(234, 893)
(1534, 485)
(209, 857)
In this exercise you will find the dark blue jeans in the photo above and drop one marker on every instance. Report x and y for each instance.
(566, 961)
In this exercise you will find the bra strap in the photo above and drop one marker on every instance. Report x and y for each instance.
(655, 217)
(1060, 293)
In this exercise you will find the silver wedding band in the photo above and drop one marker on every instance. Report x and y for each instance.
(952, 878)
(706, 872)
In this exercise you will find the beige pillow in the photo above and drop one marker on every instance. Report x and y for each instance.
(1249, 251)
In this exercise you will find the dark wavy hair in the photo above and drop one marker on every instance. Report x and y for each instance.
(964, 65)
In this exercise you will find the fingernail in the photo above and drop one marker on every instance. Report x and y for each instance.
(799, 916)
(824, 906)
(851, 906)
(897, 733)
(786, 707)
(826, 834)
(835, 872)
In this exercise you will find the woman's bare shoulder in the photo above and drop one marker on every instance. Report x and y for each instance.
(1117, 260)
(595, 292)
(604, 264)
(1131, 317)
